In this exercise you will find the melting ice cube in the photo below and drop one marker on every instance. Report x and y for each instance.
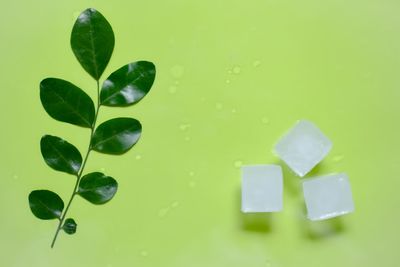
(262, 187)
(303, 147)
(328, 196)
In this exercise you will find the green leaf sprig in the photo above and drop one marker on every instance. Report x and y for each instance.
(92, 41)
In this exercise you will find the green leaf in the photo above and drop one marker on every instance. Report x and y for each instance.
(92, 41)
(116, 136)
(60, 155)
(45, 204)
(128, 85)
(97, 188)
(66, 102)
(69, 226)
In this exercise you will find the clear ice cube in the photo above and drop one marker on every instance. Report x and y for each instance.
(262, 187)
(303, 147)
(328, 196)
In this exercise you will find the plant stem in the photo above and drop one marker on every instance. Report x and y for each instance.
(79, 175)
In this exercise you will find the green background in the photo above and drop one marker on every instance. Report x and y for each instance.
(232, 77)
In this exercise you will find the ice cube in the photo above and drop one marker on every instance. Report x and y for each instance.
(303, 147)
(328, 196)
(262, 187)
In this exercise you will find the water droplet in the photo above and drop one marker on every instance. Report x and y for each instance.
(238, 163)
(233, 110)
(176, 82)
(229, 71)
(184, 126)
(191, 173)
(103, 169)
(172, 89)
(177, 71)
(228, 81)
(338, 158)
(218, 106)
(265, 120)
(174, 204)
(138, 157)
(187, 138)
(192, 184)
(163, 212)
(15, 176)
(236, 70)
(144, 253)
(256, 63)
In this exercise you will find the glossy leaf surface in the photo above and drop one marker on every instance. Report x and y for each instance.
(66, 102)
(69, 226)
(128, 85)
(92, 41)
(60, 155)
(116, 136)
(97, 188)
(45, 204)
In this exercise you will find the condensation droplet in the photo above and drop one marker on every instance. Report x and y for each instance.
(192, 184)
(218, 106)
(236, 70)
(228, 81)
(177, 71)
(184, 126)
(238, 163)
(138, 157)
(176, 82)
(174, 204)
(265, 120)
(256, 63)
(172, 89)
(229, 71)
(144, 253)
(187, 138)
(233, 110)
(338, 158)
(15, 176)
(191, 173)
(163, 212)
(102, 169)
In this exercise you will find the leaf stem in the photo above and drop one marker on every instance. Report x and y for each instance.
(79, 175)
